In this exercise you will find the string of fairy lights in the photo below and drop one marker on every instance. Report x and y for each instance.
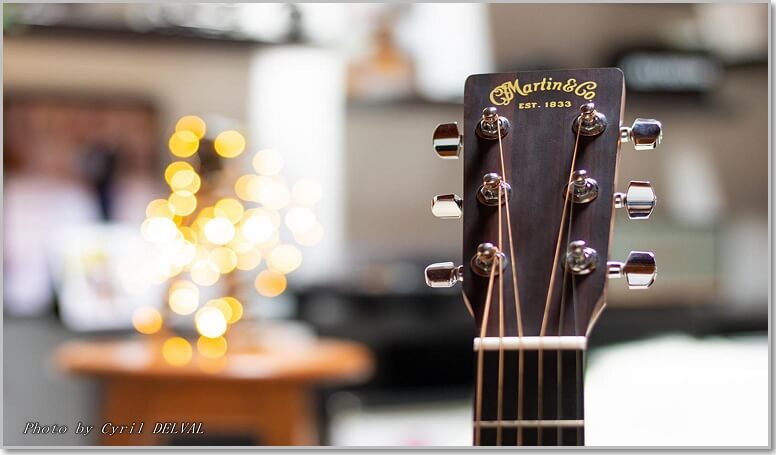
(199, 240)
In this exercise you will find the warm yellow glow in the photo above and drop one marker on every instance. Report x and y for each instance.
(204, 272)
(225, 258)
(188, 233)
(258, 227)
(185, 181)
(285, 258)
(237, 309)
(222, 306)
(219, 231)
(270, 283)
(176, 351)
(248, 260)
(210, 322)
(182, 203)
(159, 230)
(306, 192)
(230, 209)
(300, 219)
(243, 186)
(212, 348)
(192, 123)
(183, 144)
(159, 208)
(265, 247)
(206, 213)
(175, 167)
(147, 320)
(311, 237)
(267, 162)
(184, 297)
(229, 143)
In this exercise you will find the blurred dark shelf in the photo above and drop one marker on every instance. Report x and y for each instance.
(174, 35)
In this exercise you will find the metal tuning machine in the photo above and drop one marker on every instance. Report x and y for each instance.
(639, 201)
(486, 258)
(589, 122)
(645, 134)
(491, 124)
(639, 270)
(448, 141)
(443, 274)
(492, 185)
(447, 206)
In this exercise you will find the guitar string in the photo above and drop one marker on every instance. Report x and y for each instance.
(513, 267)
(559, 357)
(500, 398)
(560, 230)
(480, 353)
(547, 304)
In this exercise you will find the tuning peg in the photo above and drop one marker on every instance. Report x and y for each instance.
(639, 269)
(448, 141)
(639, 200)
(443, 274)
(646, 134)
(447, 206)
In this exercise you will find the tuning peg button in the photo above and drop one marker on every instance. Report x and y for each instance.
(443, 274)
(638, 201)
(639, 269)
(646, 134)
(448, 141)
(447, 206)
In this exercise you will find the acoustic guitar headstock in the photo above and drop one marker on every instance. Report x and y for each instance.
(540, 167)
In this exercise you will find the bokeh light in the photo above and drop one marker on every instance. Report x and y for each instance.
(285, 258)
(267, 162)
(193, 124)
(300, 219)
(212, 348)
(183, 144)
(229, 144)
(159, 208)
(210, 322)
(219, 231)
(147, 320)
(176, 351)
(230, 209)
(237, 309)
(311, 237)
(159, 230)
(222, 306)
(249, 259)
(306, 192)
(185, 180)
(258, 227)
(184, 297)
(270, 283)
(205, 272)
(224, 258)
(175, 167)
(182, 203)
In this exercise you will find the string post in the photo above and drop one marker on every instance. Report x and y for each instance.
(492, 185)
(589, 122)
(487, 259)
(492, 126)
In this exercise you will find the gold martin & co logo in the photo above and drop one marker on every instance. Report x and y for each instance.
(505, 93)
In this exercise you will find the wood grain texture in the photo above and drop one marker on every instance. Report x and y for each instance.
(537, 156)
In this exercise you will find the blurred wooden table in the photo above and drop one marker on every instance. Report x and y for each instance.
(263, 397)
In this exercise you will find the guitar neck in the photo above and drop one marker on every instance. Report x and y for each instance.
(529, 398)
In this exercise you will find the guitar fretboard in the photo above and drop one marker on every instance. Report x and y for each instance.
(541, 401)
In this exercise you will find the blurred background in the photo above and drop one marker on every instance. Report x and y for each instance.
(333, 107)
